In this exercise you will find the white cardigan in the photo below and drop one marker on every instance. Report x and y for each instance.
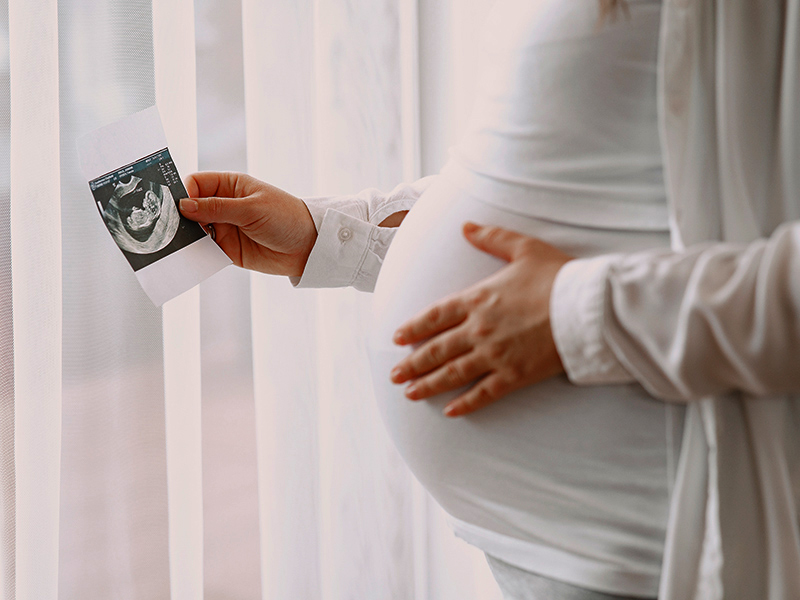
(698, 323)
(715, 322)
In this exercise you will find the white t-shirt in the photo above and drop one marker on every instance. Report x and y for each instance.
(565, 123)
(568, 482)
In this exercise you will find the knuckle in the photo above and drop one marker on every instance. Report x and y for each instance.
(470, 401)
(414, 329)
(452, 373)
(245, 182)
(435, 354)
(493, 233)
(213, 206)
(517, 372)
(483, 329)
(477, 297)
(492, 299)
(485, 394)
(454, 308)
(467, 368)
(495, 351)
(479, 397)
(495, 388)
(470, 363)
(408, 370)
(484, 298)
(434, 314)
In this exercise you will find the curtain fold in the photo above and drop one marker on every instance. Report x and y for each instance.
(175, 86)
(226, 446)
(232, 556)
(365, 501)
(114, 507)
(36, 289)
(278, 109)
(7, 471)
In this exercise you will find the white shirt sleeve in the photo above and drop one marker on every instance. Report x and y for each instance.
(577, 305)
(712, 319)
(350, 245)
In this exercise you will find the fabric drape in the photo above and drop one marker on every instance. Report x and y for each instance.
(226, 445)
(737, 478)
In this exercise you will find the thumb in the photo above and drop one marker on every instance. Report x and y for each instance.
(499, 242)
(236, 211)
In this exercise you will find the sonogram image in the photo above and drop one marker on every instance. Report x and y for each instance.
(141, 215)
(138, 203)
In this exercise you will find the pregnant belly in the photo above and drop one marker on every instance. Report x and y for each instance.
(581, 471)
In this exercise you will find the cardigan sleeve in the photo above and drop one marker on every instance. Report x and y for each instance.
(350, 245)
(714, 318)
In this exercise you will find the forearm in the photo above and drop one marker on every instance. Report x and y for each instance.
(709, 320)
(394, 220)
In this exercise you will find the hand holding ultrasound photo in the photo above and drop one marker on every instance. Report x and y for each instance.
(136, 188)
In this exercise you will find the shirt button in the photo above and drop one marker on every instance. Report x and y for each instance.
(345, 233)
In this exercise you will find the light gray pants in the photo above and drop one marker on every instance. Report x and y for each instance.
(519, 584)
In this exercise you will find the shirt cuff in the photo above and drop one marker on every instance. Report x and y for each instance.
(348, 251)
(577, 306)
(317, 213)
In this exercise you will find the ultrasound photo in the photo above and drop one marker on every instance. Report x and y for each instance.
(139, 204)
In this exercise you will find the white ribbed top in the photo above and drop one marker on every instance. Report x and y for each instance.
(565, 124)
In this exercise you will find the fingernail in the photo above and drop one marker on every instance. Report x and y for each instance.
(450, 410)
(188, 205)
(399, 338)
(470, 227)
(396, 375)
(411, 392)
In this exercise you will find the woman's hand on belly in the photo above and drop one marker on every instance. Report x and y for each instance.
(497, 331)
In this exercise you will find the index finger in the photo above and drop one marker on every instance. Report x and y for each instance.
(216, 183)
(434, 319)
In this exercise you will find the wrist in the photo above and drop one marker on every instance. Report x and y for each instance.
(308, 237)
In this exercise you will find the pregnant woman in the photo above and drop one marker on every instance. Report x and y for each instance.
(567, 489)
(570, 483)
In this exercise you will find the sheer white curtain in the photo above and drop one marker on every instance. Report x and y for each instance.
(226, 446)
